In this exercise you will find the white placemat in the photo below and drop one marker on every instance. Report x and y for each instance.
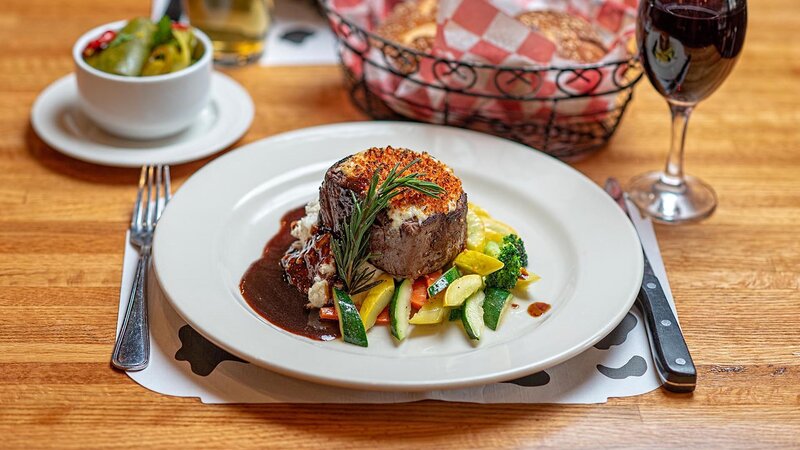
(185, 364)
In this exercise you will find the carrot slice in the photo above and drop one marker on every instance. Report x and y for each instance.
(383, 317)
(419, 293)
(328, 313)
(432, 277)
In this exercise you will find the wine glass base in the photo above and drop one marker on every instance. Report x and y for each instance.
(689, 201)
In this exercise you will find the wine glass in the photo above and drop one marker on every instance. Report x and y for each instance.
(687, 48)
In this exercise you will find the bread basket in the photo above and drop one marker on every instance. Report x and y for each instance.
(566, 111)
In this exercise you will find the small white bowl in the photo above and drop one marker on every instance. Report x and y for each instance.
(149, 107)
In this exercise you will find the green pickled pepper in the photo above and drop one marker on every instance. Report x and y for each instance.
(129, 51)
(171, 56)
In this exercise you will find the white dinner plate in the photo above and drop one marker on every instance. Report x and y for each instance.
(58, 121)
(579, 241)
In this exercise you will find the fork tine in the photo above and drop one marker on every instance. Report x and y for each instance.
(166, 194)
(148, 215)
(167, 184)
(158, 204)
(136, 215)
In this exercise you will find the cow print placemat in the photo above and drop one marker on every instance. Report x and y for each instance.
(184, 363)
(299, 35)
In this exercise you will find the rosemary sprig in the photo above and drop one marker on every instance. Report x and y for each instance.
(351, 245)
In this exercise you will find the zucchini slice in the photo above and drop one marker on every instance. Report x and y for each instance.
(441, 284)
(400, 309)
(472, 315)
(494, 305)
(455, 314)
(349, 320)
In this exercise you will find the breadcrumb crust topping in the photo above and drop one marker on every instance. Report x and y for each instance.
(360, 167)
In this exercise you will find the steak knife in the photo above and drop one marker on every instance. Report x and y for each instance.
(170, 8)
(174, 10)
(671, 355)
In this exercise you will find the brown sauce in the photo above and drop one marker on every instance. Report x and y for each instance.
(266, 290)
(538, 308)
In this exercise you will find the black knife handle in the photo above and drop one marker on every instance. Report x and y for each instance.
(174, 10)
(673, 361)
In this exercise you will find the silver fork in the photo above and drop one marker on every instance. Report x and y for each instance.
(132, 349)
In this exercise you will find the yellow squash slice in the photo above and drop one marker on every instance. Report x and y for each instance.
(459, 290)
(431, 313)
(477, 210)
(495, 230)
(476, 236)
(477, 262)
(377, 300)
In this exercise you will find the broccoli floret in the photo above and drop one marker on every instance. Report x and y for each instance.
(506, 277)
(512, 254)
(517, 242)
(492, 249)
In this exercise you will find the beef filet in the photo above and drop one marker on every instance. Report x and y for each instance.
(415, 234)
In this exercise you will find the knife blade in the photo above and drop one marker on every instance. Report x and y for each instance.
(673, 361)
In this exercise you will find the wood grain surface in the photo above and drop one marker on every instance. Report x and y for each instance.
(735, 276)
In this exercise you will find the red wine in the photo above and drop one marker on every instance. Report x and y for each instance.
(688, 47)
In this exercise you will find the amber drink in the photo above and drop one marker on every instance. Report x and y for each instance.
(237, 28)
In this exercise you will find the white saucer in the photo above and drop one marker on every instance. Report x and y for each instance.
(59, 122)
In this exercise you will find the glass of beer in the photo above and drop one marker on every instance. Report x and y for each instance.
(237, 28)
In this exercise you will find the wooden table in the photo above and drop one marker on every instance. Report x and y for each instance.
(735, 276)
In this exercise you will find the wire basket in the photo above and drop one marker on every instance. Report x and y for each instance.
(567, 112)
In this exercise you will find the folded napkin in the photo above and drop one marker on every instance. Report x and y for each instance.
(183, 363)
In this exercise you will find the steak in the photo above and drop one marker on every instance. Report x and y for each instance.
(415, 234)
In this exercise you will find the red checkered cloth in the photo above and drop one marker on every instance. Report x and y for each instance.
(476, 30)
(486, 32)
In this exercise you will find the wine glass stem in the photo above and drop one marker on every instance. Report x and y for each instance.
(673, 171)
